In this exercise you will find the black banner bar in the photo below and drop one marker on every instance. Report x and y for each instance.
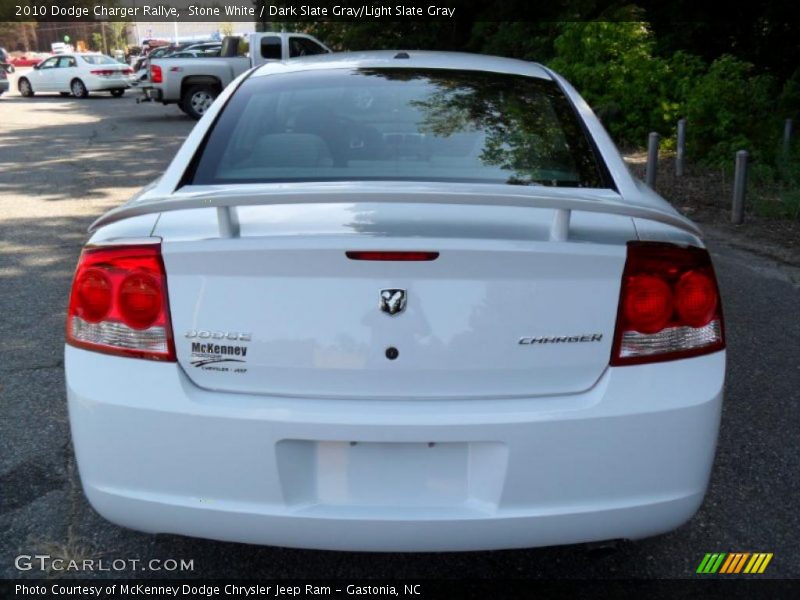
(711, 588)
(287, 11)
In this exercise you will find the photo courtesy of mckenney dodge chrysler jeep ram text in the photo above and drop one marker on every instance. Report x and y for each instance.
(396, 301)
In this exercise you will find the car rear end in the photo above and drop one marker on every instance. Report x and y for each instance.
(102, 73)
(106, 78)
(402, 366)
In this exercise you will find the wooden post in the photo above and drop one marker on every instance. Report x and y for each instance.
(739, 188)
(680, 155)
(652, 159)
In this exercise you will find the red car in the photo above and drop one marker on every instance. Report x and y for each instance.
(25, 60)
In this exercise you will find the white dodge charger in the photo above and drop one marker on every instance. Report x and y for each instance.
(396, 301)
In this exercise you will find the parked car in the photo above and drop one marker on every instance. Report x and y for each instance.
(203, 46)
(78, 73)
(25, 60)
(398, 302)
(209, 53)
(5, 67)
(132, 53)
(142, 63)
(194, 84)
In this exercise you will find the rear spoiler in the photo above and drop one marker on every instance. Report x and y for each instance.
(226, 202)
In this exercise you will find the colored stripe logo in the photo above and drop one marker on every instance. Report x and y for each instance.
(734, 562)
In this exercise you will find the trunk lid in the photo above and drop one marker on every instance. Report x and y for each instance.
(500, 312)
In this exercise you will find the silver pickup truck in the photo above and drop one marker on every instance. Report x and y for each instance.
(194, 83)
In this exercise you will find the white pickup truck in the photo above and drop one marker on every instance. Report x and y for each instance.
(194, 83)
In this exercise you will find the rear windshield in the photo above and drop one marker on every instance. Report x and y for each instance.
(99, 59)
(398, 124)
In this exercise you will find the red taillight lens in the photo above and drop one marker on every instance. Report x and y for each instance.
(696, 298)
(127, 71)
(140, 300)
(156, 76)
(119, 303)
(102, 72)
(93, 295)
(647, 303)
(669, 305)
(391, 255)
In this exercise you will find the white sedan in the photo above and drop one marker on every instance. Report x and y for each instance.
(396, 302)
(77, 74)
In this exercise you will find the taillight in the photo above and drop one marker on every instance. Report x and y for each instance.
(119, 303)
(669, 305)
(156, 76)
(102, 72)
(127, 71)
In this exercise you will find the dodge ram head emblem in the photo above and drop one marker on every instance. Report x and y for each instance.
(393, 302)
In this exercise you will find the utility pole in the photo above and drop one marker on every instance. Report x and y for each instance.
(136, 26)
(262, 14)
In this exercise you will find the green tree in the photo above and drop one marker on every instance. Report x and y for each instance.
(117, 32)
(526, 40)
(613, 65)
(732, 108)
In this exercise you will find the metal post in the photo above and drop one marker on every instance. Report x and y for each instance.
(787, 136)
(681, 150)
(652, 159)
(739, 188)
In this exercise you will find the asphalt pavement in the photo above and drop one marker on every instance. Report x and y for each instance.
(65, 161)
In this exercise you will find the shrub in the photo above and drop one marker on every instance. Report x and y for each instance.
(731, 109)
(613, 66)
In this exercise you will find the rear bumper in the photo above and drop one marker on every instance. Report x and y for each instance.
(627, 459)
(100, 84)
(152, 94)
